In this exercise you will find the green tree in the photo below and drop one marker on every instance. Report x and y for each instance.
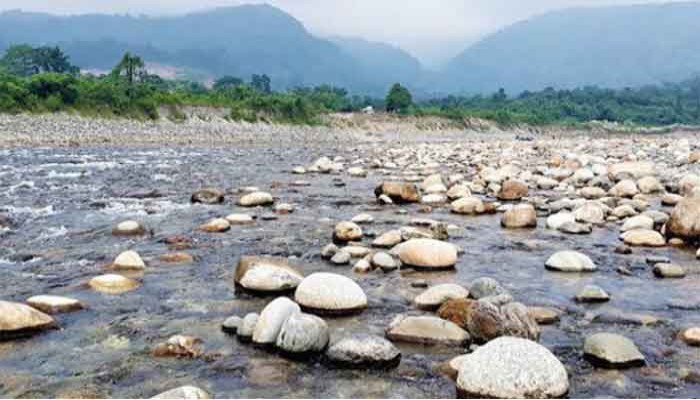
(24, 60)
(398, 99)
(227, 82)
(131, 67)
(261, 83)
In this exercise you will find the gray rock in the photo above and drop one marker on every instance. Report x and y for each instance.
(510, 367)
(570, 261)
(231, 324)
(518, 322)
(485, 287)
(665, 270)
(364, 351)
(303, 333)
(272, 318)
(612, 351)
(592, 294)
(245, 331)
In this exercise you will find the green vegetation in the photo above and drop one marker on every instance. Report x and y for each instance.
(43, 80)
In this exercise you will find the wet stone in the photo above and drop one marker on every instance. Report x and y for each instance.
(362, 351)
(592, 294)
(612, 351)
(54, 304)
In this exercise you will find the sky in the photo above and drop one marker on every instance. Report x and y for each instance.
(432, 30)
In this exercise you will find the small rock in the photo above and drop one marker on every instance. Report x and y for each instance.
(612, 351)
(256, 199)
(544, 315)
(208, 196)
(177, 257)
(231, 324)
(364, 351)
(520, 216)
(384, 261)
(362, 219)
(426, 330)
(691, 336)
(183, 393)
(669, 271)
(433, 298)
(245, 331)
(592, 294)
(643, 238)
(388, 239)
(399, 192)
(267, 274)
(329, 251)
(485, 287)
(512, 189)
(342, 257)
(468, 206)
(347, 231)
(54, 304)
(128, 228)
(19, 320)
(326, 293)
(179, 346)
(240, 219)
(426, 253)
(129, 260)
(216, 225)
(272, 318)
(303, 333)
(113, 284)
(570, 261)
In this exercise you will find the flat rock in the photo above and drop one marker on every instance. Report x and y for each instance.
(176, 257)
(327, 293)
(432, 298)
(19, 320)
(54, 304)
(267, 274)
(570, 261)
(612, 351)
(364, 351)
(592, 294)
(240, 219)
(643, 238)
(510, 367)
(113, 284)
(544, 315)
(426, 330)
(665, 270)
(388, 239)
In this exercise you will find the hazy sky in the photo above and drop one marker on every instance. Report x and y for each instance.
(432, 30)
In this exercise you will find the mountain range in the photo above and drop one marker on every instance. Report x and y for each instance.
(605, 46)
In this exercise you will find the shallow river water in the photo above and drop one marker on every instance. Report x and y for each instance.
(63, 204)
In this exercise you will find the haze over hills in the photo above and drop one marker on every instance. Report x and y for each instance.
(609, 46)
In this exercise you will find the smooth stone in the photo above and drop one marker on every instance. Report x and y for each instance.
(512, 189)
(544, 315)
(250, 321)
(342, 257)
(570, 261)
(362, 266)
(592, 294)
(183, 393)
(113, 284)
(271, 319)
(638, 222)
(54, 304)
(520, 216)
(427, 254)
(357, 251)
(303, 333)
(458, 191)
(128, 228)
(510, 367)
(384, 261)
(19, 320)
(575, 228)
(231, 324)
(625, 318)
(362, 219)
(267, 274)
(590, 212)
(684, 222)
(517, 322)
(216, 225)
(691, 336)
(426, 330)
(643, 238)
(328, 251)
(256, 199)
(240, 219)
(468, 206)
(129, 260)
(347, 231)
(665, 270)
(434, 297)
(362, 351)
(326, 293)
(612, 351)
(388, 239)
(485, 287)
(398, 192)
(555, 221)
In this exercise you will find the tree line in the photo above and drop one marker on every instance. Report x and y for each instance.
(42, 79)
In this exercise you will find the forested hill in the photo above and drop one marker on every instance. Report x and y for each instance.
(238, 41)
(608, 46)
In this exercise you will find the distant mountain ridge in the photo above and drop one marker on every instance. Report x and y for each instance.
(614, 47)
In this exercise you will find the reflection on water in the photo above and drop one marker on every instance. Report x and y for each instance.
(63, 204)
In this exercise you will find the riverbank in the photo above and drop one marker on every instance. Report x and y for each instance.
(210, 127)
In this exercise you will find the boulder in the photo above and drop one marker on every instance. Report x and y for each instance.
(54, 304)
(272, 318)
(347, 231)
(128, 260)
(612, 351)
(468, 206)
(684, 222)
(267, 274)
(399, 192)
(128, 228)
(643, 237)
(426, 330)
(20, 320)
(512, 190)
(303, 333)
(255, 199)
(208, 196)
(363, 351)
(432, 298)
(510, 367)
(426, 254)
(520, 216)
(326, 293)
(216, 225)
(113, 284)
(570, 261)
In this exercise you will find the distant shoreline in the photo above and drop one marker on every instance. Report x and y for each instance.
(206, 128)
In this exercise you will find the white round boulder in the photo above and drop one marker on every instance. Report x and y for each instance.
(327, 293)
(271, 319)
(509, 367)
(427, 254)
(570, 261)
(266, 274)
(303, 333)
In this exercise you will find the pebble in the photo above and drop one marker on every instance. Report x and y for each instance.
(216, 225)
(691, 336)
(256, 199)
(128, 228)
